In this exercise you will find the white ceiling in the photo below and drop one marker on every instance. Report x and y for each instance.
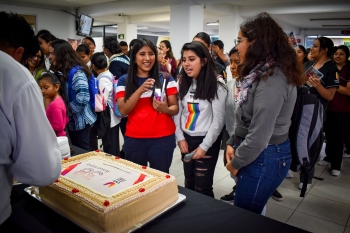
(296, 13)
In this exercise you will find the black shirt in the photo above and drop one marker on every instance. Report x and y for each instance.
(328, 80)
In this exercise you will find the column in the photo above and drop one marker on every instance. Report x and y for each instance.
(185, 22)
(129, 30)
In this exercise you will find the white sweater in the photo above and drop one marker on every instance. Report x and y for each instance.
(198, 117)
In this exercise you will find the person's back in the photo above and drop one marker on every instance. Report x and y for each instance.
(29, 148)
(31, 160)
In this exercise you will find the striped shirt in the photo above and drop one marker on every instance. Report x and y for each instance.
(80, 110)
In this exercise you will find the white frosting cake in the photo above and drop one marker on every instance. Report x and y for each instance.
(107, 194)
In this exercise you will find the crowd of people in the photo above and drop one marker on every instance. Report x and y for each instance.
(156, 101)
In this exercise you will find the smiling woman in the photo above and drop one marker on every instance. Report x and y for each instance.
(150, 129)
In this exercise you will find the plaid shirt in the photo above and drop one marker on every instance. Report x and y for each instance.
(80, 110)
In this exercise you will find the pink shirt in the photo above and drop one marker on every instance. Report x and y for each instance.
(57, 116)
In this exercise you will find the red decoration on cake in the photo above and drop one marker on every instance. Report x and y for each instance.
(141, 190)
(167, 176)
(65, 158)
(57, 181)
(106, 203)
(144, 167)
(97, 150)
(140, 179)
(75, 190)
(117, 157)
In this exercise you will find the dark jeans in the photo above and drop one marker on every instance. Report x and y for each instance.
(337, 125)
(80, 138)
(122, 126)
(199, 173)
(258, 180)
(112, 147)
(157, 151)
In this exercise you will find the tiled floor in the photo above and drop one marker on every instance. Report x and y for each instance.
(324, 209)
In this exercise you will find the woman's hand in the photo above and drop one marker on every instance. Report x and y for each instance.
(230, 153)
(315, 82)
(199, 153)
(146, 86)
(161, 106)
(183, 146)
(231, 169)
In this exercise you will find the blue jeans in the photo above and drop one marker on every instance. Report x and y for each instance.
(258, 180)
(157, 151)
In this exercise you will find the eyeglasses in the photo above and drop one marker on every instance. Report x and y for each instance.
(237, 41)
(37, 57)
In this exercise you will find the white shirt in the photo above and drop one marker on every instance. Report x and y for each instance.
(29, 149)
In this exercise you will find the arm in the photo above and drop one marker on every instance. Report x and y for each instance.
(223, 57)
(56, 120)
(326, 93)
(37, 159)
(180, 138)
(125, 107)
(344, 90)
(169, 106)
(80, 88)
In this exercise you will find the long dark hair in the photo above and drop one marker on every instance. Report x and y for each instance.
(131, 82)
(326, 43)
(169, 53)
(304, 51)
(203, 36)
(207, 84)
(53, 79)
(47, 37)
(41, 63)
(67, 58)
(268, 41)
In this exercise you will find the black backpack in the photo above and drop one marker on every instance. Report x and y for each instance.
(306, 134)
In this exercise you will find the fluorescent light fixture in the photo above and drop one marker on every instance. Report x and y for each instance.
(335, 25)
(140, 28)
(334, 37)
(213, 23)
(114, 26)
(323, 19)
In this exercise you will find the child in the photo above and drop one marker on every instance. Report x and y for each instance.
(56, 108)
(84, 53)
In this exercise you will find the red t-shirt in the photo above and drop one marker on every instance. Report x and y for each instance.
(144, 121)
(340, 102)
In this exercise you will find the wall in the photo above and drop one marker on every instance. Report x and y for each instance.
(60, 24)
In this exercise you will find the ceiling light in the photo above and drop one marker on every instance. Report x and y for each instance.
(317, 19)
(336, 25)
(114, 26)
(213, 23)
(140, 28)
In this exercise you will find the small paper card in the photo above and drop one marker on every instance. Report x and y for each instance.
(312, 72)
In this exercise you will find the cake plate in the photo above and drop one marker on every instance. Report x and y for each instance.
(34, 192)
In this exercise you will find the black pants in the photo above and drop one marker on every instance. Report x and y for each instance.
(336, 127)
(122, 126)
(199, 173)
(80, 138)
(112, 147)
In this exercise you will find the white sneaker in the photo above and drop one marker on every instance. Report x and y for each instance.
(345, 155)
(335, 172)
(322, 163)
(300, 186)
(289, 174)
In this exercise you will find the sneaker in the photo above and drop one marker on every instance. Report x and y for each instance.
(335, 172)
(229, 198)
(346, 155)
(277, 196)
(322, 163)
(300, 186)
(289, 174)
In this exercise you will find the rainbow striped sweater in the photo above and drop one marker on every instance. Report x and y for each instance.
(198, 117)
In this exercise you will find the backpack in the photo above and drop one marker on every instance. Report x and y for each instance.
(306, 134)
(114, 104)
(92, 82)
